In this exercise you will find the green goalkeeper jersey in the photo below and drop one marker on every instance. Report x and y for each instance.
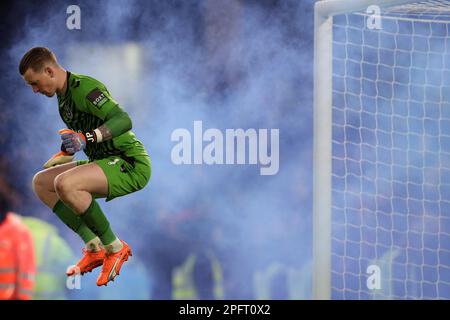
(86, 106)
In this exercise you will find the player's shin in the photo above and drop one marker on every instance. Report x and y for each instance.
(95, 219)
(73, 221)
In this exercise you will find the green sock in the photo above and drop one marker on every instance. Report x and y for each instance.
(95, 219)
(73, 221)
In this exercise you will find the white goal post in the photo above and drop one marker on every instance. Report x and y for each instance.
(391, 214)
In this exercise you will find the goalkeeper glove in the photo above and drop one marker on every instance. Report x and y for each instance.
(72, 141)
(58, 158)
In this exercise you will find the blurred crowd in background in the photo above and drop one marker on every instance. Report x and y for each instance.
(185, 255)
(178, 260)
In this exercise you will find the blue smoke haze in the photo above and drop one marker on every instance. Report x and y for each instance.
(230, 64)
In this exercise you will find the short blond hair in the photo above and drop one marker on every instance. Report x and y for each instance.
(36, 58)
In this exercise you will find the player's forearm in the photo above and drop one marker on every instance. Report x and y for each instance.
(117, 123)
(103, 133)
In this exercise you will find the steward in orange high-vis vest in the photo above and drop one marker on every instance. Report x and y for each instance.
(17, 262)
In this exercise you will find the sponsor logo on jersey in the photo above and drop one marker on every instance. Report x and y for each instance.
(97, 98)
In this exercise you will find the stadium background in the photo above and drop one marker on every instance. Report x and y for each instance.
(232, 64)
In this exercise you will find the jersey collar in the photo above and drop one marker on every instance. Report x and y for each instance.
(67, 84)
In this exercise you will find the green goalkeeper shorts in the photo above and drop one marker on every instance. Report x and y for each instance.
(124, 176)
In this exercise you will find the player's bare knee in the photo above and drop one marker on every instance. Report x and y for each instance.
(62, 186)
(38, 183)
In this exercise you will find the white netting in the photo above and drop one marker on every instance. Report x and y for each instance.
(426, 10)
(391, 153)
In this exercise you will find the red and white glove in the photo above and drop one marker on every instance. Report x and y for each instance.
(72, 141)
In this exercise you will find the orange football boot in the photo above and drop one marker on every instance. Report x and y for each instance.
(89, 261)
(112, 264)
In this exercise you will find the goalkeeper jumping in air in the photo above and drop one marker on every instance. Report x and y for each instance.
(118, 163)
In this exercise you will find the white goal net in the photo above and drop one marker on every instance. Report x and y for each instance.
(390, 153)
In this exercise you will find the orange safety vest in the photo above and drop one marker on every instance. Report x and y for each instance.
(17, 262)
